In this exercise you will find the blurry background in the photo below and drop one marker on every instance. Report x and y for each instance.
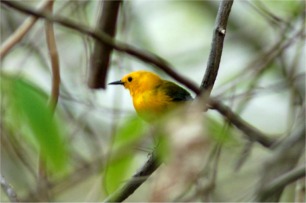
(261, 77)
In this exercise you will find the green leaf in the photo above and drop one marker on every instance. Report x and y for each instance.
(163, 150)
(30, 108)
(117, 171)
(122, 153)
(129, 133)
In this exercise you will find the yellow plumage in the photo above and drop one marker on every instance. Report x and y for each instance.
(152, 96)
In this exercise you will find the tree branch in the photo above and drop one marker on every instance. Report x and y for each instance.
(54, 58)
(101, 55)
(216, 46)
(55, 91)
(136, 181)
(249, 131)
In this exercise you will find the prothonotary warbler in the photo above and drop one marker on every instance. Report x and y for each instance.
(152, 96)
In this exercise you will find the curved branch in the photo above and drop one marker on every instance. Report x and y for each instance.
(55, 90)
(55, 67)
(216, 46)
(138, 179)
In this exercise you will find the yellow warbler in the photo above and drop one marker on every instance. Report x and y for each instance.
(152, 96)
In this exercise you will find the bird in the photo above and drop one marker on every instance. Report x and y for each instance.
(152, 96)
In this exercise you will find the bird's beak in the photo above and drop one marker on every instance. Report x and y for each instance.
(119, 82)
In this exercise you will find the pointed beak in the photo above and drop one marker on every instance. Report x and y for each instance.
(119, 82)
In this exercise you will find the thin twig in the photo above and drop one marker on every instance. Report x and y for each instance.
(206, 191)
(54, 59)
(246, 152)
(55, 69)
(101, 55)
(21, 31)
(8, 190)
(216, 46)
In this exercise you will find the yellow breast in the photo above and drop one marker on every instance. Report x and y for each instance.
(151, 104)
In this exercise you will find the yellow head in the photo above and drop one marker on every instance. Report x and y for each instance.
(139, 81)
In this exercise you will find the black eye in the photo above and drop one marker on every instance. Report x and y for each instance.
(130, 79)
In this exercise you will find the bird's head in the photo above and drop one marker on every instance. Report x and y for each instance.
(139, 81)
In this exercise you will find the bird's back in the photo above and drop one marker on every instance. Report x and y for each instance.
(175, 92)
(160, 99)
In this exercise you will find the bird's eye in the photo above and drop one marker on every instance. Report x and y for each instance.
(130, 79)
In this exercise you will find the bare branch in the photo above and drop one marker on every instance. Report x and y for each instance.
(250, 132)
(8, 190)
(55, 67)
(138, 179)
(55, 91)
(245, 153)
(21, 31)
(100, 60)
(216, 46)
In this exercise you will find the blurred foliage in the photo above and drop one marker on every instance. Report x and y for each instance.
(222, 133)
(122, 154)
(29, 110)
(95, 133)
(162, 149)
